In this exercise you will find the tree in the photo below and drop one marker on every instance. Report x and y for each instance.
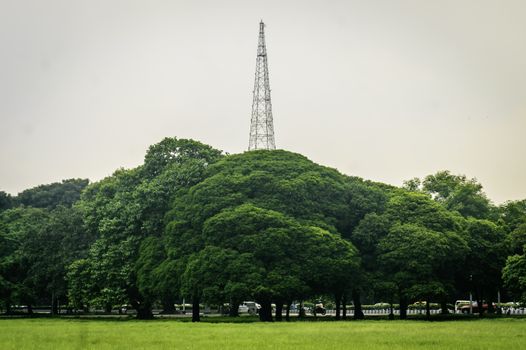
(217, 274)
(514, 275)
(287, 184)
(177, 151)
(513, 221)
(20, 227)
(6, 201)
(330, 265)
(40, 244)
(80, 284)
(277, 180)
(153, 278)
(272, 239)
(412, 257)
(485, 260)
(127, 208)
(63, 193)
(289, 258)
(385, 237)
(458, 193)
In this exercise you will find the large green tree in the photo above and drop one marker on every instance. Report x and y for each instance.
(128, 207)
(514, 276)
(485, 260)
(40, 244)
(275, 185)
(400, 252)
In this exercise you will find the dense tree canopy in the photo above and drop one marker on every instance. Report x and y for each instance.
(268, 204)
(514, 275)
(49, 196)
(272, 226)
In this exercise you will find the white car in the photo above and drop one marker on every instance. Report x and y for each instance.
(250, 307)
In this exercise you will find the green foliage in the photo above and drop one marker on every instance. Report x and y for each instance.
(21, 228)
(6, 201)
(177, 151)
(218, 274)
(513, 221)
(412, 255)
(514, 276)
(270, 226)
(277, 209)
(63, 193)
(79, 284)
(458, 193)
(277, 180)
(39, 245)
(486, 257)
(126, 212)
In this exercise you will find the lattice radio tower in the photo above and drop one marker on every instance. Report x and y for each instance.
(261, 124)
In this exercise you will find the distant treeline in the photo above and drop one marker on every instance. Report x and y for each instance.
(270, 226)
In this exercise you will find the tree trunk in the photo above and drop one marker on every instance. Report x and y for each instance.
(287, 312)
(54, 305)
(168, 305)
(234, 308)
(491, 310)
(344, 305)
(428, 310)
(480, 308)
(144, 312)
(107, 308)
(265, 313)
(403, 308)
(195, 310)
(358, 313)
(391, 311)
(338, 301)
(144, 309)
(301, 313)
(443, 307)
(478, 296)
(279, 310)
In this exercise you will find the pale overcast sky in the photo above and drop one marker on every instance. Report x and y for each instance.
(382, 89)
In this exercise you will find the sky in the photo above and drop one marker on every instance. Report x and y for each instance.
(386, 90)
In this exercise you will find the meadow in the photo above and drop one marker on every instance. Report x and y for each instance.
(173, 334)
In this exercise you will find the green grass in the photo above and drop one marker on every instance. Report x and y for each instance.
(171, 334)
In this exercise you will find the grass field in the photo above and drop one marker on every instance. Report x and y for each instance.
(171, 334)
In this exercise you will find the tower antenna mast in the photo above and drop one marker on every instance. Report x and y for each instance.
(261, 124)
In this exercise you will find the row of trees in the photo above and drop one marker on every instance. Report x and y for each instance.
(271, 226)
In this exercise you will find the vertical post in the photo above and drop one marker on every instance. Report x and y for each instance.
(470, 295)
(184, 306)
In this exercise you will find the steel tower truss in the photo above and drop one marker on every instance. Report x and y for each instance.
(261, 125)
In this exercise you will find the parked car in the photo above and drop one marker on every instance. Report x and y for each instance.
(465, 309)
(459, 304)
(250, 307)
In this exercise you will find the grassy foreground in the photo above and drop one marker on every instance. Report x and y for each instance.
(169, 334)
